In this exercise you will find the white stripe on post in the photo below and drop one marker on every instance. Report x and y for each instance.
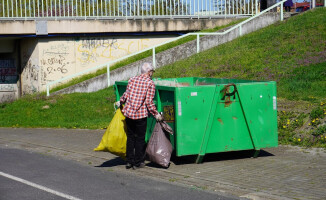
(108, 74)
(154, 62)
(198, 43)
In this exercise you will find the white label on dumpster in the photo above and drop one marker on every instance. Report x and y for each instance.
(194, 94)
(274, 103)
(179, 108)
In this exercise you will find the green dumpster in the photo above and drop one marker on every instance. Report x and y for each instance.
(210, 115)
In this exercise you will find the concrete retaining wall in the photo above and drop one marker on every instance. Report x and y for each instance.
(8, 92)
(171, 55)
(44, 60)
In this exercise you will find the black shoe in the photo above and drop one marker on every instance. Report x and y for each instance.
(141, 165)
(128, 166)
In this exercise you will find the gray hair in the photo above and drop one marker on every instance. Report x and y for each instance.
(146, 67)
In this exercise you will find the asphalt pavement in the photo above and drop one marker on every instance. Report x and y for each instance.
(30, 175)
(284, 172)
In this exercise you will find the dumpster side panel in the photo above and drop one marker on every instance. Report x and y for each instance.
(192, 109)
(229, 130)
(259, 104)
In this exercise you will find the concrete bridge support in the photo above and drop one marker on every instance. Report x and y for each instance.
(31, 55)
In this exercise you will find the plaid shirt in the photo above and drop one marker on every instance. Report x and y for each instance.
(138, 97)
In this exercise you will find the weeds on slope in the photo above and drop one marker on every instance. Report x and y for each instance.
(140, 57)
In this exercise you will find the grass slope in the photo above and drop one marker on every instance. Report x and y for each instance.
(284, 52)
(141, 56)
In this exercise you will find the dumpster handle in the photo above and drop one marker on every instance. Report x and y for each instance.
(226, 89)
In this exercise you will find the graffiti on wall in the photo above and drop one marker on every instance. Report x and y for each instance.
(30, 67)
(6, 87)
(56, 63)
(8, 71)
(94, 50)
(57, 60)
(47, 59)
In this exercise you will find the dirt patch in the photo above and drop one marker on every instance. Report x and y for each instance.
(294, 106)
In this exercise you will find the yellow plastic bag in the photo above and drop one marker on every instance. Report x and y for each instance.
(114, 139)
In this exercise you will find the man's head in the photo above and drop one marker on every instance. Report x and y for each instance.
(147, 68)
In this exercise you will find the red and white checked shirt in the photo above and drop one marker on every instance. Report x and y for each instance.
(138, 97)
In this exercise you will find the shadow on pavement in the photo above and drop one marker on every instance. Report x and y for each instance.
(154, 165)
(184, 160)
(113, 162)
(213, 157)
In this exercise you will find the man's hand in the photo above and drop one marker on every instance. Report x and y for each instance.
(158, 117)
(117, 104)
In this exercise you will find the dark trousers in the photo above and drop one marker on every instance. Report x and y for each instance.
(136, 146)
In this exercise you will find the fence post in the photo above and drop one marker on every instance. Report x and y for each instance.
(154, 65)
(198, 8)
(198, 43)
(47, 90)
(240, 30)
(108, 73)
(282, 17)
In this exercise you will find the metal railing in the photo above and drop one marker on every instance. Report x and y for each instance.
(108, 64)
(115, 9)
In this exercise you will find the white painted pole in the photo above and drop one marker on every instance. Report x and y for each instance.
(47, 90)
(198, 43)
(108, 74)
(154, 62)
(198, 8)
(240, 30)
(282, 17)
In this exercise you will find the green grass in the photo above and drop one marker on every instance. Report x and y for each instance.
(304, 83)
(78, 110)
(140, 57)
(292, 52)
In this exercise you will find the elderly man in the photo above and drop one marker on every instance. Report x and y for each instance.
(138, 99)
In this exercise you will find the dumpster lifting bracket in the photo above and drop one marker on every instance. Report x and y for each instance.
(253, 139)
(203, 146)
(207, 132)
